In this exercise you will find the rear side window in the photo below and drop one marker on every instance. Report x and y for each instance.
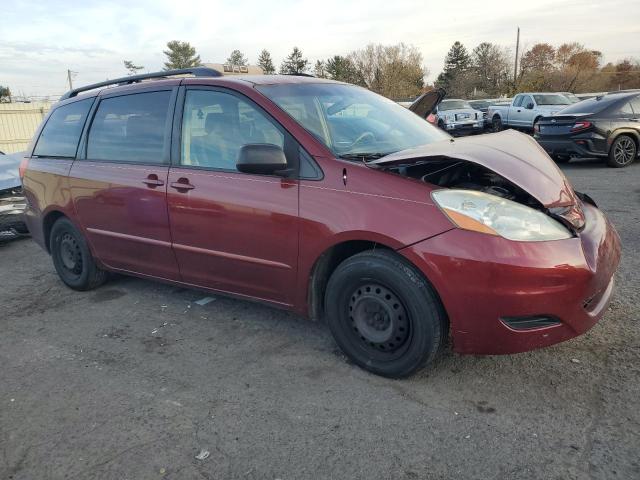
(61, 134)
(625, 110)
(635, 104)
(518, 101)
(131, 128)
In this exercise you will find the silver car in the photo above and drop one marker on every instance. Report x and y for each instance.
(459, 117)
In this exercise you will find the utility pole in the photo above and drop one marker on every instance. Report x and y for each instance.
(515, 68)
(69, 79)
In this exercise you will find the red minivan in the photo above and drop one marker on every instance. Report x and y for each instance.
(322, 198)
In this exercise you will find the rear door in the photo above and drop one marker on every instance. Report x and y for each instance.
(118, 184)
(231, 231)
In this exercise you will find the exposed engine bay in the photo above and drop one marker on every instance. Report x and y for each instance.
(454, 173)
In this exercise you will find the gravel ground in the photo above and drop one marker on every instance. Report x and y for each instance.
(133, 380)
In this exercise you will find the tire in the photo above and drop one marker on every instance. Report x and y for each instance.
(72, 259)
(383, 314)
(496, 124)
(441, 125)
(561, 158)
(623, 152)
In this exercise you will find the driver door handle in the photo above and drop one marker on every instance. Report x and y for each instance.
(153, 181)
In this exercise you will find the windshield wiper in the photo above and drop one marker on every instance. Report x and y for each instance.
(365, 156)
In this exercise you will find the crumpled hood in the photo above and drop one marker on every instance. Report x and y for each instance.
(511, 154)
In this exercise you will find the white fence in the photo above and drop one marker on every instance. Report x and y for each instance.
(18, 123)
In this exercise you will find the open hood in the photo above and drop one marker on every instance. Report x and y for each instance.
(513, 155)
(426, 103)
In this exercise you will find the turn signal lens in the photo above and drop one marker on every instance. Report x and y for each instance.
(24, 163)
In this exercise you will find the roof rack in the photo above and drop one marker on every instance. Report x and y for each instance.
(300, 74)
(196, 72)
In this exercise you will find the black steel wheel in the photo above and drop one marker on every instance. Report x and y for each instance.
(383, 313)
(623, 152)
(72, 258)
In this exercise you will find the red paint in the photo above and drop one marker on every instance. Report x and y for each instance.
(260, 236)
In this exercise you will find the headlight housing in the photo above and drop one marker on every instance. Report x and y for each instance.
(485, 213)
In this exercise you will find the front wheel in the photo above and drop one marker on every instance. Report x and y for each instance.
(72, 259)
(622, 152)
(383, 314)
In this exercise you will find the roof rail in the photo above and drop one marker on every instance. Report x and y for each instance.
(195, 71)
(300, 74)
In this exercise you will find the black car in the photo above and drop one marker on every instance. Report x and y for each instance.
(607, 126)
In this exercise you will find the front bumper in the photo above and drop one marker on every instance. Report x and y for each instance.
(483, 280)
(465, 127)
(12, 209)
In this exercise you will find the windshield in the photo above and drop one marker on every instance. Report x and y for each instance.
(552, 99)
(351, 120)
(453, 105)
(480, 104)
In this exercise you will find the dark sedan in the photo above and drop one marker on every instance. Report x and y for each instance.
(606, 126)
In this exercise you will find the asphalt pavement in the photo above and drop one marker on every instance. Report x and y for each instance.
(135, 380)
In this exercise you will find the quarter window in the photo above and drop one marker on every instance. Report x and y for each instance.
(61, 134)
(635, 104)
(518, 101)
(131, 128)
(217, 125)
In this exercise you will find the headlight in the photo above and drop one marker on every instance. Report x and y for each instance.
(448, 118)
(485, 213)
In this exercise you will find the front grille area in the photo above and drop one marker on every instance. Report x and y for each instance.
(530, 322)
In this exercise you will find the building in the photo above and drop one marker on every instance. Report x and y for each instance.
(235, 69)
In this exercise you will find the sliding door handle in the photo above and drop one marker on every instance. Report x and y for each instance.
(182, 184)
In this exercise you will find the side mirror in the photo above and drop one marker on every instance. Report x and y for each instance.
(530, 106)
(261, 159)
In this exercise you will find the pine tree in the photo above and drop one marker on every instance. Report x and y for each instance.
(180, 55)
(131, 67)
(265, 62)
(456, 64)
(294, 63)
(320, 70)
(236, 58)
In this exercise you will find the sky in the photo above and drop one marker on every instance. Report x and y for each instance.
(40, 40)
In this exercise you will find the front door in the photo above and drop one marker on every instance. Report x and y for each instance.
(118, 184)
(231, 231)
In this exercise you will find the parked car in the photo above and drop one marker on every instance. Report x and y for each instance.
(12, 202)
(525, 110)
(358, 212)
(607, 127)
(455, 116)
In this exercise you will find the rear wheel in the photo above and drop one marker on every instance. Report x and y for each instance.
(72, 258)
(623, 151)
(561, 158)
(383, 314)
(496, 123)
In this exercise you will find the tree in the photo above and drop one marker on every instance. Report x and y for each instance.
(5, 94)
(319, 69)
(490, 69)
(236, 58)
(180, 55)
(294, 63)
(342, 69)
(537, 68)
(454, 77)
(131, 67)
(395, 71)
(265, 62)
